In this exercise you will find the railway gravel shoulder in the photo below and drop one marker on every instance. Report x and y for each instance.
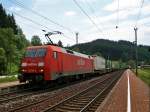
(53, 97)
(85, 101)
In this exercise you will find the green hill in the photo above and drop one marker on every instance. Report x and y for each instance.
(115, 50)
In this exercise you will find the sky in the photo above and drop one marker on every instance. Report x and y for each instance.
(98, 21)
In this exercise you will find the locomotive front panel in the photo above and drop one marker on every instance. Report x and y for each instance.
(33, 65)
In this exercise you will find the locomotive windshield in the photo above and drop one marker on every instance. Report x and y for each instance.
(35, 52)
(30, 53)
(41, 52)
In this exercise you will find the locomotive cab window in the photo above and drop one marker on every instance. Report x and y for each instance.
(41, 52)
(30, 53)
(55, 55)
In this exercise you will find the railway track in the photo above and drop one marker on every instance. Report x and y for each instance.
(86, 96)
(12, 90)
(18, 89)
(87, 100)
(18, 95)
(22, 91)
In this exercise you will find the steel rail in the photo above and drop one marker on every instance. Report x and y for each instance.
(76, 95)
(40, 101)
(108, 87)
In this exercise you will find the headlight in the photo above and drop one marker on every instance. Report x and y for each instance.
(23, 70)
(40, 64)
(24, 64)
(41, 70)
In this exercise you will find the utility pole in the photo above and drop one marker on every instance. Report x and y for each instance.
(77, 34)
(108, 63)
(136, 51)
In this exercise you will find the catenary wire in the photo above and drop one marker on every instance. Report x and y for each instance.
(42, 16)
(32, 21)
(139, 14)
(118, 7)
(93, 11)
(21, 5)
(83, 11)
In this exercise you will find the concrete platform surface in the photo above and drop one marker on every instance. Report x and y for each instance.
(130, 94)
(8, 84)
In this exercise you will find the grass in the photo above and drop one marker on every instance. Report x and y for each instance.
(11, 74)
(144, 74)
(8, 79)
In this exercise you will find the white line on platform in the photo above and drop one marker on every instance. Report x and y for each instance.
(129, 97)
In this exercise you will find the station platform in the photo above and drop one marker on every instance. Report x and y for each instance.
(130, 94)
(8, 84)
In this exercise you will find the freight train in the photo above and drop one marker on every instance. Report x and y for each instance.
(51, 62)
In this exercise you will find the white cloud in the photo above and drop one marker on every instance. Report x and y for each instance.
(144, 21)
(14, 8)
(108, 19)
(129, 15)
(123, 4)
(146, 9)
(124, 32)
(44, 4)
(59, 11)
(91, 1)
(70, 13)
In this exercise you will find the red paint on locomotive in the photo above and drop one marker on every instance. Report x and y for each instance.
(49, 62)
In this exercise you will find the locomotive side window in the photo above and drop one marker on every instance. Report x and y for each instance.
(55, 55)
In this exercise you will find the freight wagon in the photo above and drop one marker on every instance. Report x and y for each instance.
(99, 63)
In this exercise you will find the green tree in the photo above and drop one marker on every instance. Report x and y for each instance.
(12, 42)
(12, 23)
(60, 43)
(76, 49)
(21, 41)
(2, 61)
(13, 46)
(7, 38)
(3, 17)
(7, 20)
(98, 54)
(35, 41)
(131, 63)
(123, 50)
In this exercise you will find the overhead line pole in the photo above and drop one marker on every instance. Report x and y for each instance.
(136, 51)
(77, 34)
(135, 29)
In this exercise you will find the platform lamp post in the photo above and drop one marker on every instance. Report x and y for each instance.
(136, 51)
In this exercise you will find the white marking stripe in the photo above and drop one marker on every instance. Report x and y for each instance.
(129, 97)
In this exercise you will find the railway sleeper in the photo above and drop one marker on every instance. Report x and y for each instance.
(69, 109)
(83, 100)
(78, 103)
(74, 105)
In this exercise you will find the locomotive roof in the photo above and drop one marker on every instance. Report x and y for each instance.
(60, 49)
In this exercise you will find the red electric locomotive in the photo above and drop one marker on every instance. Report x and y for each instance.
(50, 62)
